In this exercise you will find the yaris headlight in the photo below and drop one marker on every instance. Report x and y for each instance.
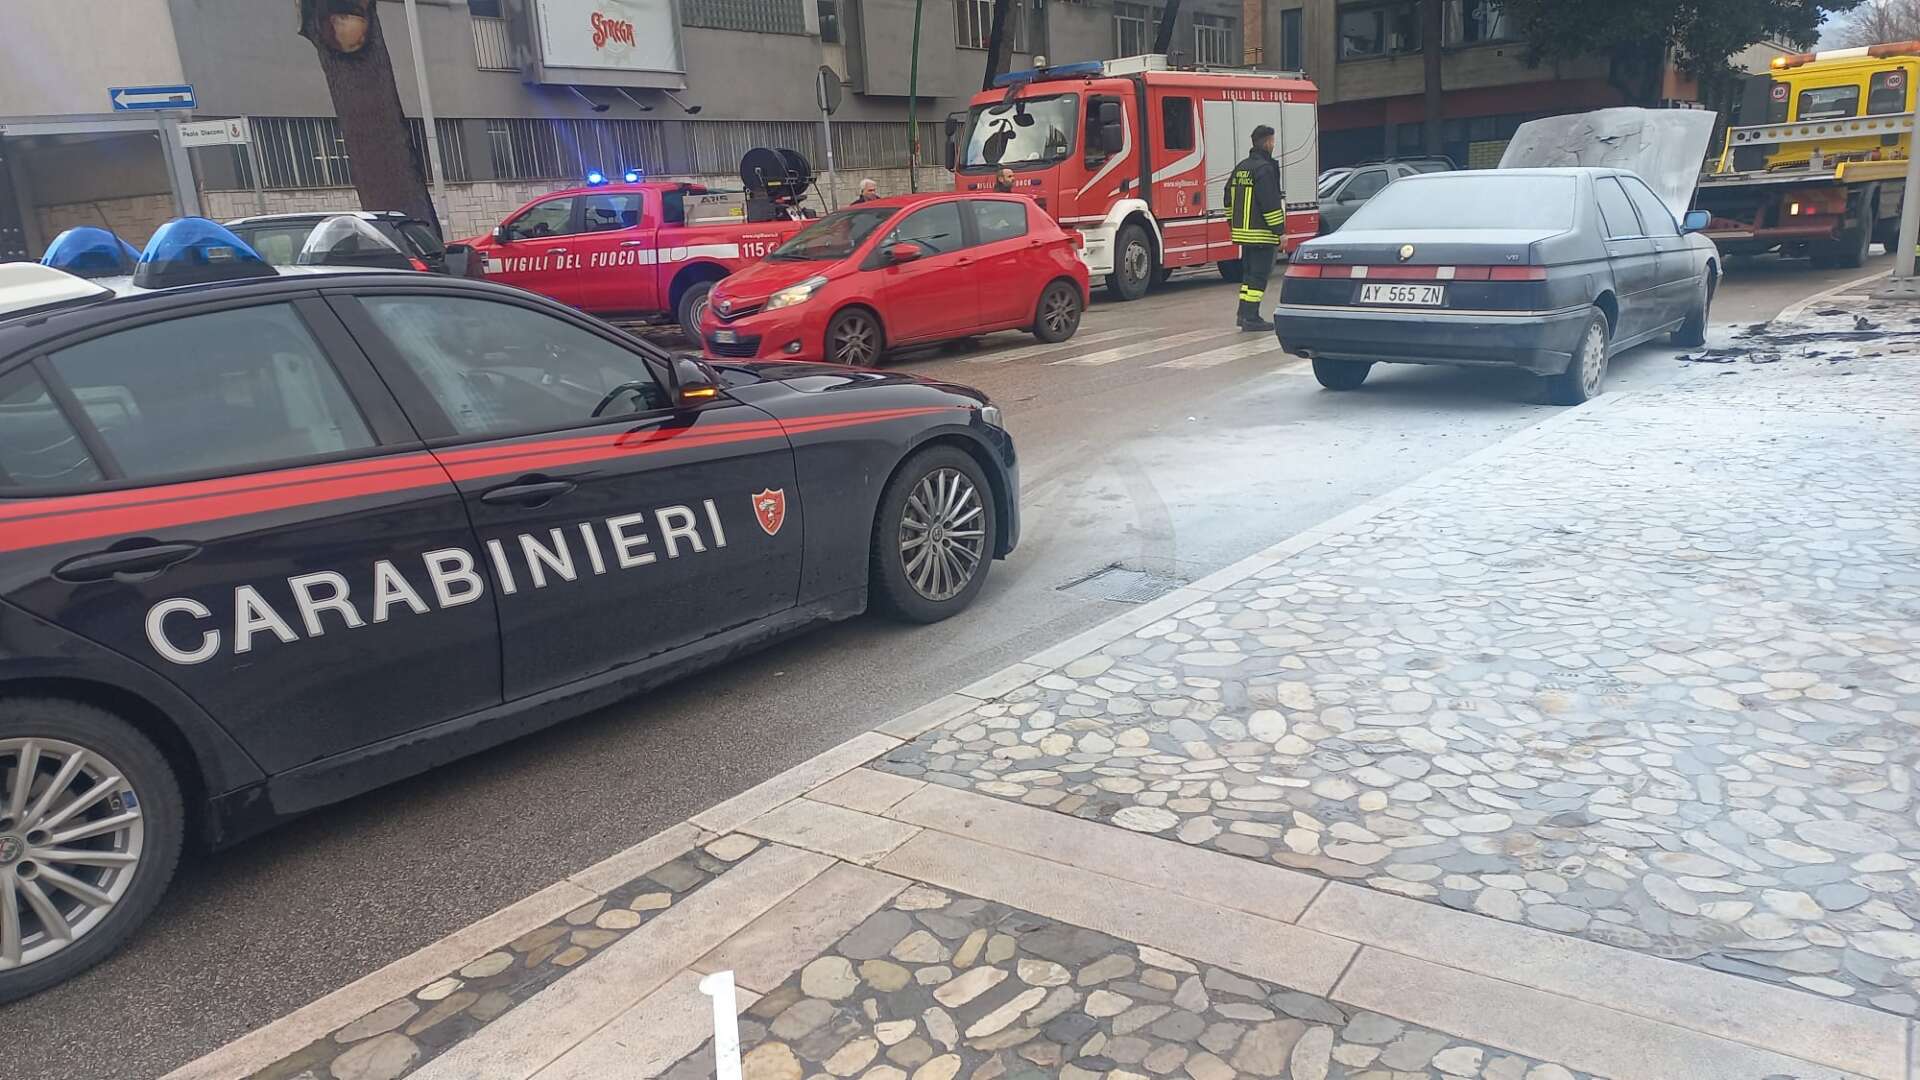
(798, 293)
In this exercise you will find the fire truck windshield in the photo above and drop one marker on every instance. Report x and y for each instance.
(1021, 131)
(833, 237)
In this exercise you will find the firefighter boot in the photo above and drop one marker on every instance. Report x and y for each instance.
(1249, 318)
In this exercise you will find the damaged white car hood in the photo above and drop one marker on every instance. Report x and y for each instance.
(1664, 146)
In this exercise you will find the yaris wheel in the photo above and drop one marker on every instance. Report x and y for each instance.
(853, 337)
(90, 834)
(1058, 314)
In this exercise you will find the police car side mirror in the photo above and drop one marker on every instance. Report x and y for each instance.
(693, 382)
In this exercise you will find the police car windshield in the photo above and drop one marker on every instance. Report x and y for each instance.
(833, 237)
(1470, 200)
(1020, 131)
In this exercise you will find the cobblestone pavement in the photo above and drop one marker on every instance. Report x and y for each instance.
(400, 1036)
(938, 986)
(1653, 680)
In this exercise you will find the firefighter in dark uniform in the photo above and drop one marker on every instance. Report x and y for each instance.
(1256, 218)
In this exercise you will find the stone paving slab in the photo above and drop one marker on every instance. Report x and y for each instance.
(571, 1010)
(1647, 680)
(404, 1034)
(941, 985)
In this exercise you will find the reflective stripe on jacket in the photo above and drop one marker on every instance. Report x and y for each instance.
(1256, 210)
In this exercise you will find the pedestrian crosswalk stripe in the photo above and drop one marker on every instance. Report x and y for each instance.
(1138, 348)
(1224, 354)
(1005, 355)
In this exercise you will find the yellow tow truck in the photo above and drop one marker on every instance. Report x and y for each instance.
(1823, 175)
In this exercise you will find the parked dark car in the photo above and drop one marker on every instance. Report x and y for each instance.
(1342, 194)
(1547, 270)
(279, 238)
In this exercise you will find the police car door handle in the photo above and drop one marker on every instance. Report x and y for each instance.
(140, 562)
(534, 493)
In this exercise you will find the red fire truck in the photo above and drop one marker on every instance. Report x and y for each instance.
(631, 248)
(1136, 155)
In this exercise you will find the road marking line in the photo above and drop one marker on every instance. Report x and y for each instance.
(1139, 348)
(1035, 350)
(1224, 354)
(1792, 312)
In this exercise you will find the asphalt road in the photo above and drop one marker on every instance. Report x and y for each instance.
(1168, 471)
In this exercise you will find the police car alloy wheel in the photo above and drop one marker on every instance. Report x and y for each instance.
(90, 833)
(933, 541)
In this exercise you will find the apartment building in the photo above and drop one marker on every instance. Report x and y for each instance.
(527, 95)
(1367, 57)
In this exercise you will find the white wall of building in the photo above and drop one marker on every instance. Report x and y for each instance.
(58, 57)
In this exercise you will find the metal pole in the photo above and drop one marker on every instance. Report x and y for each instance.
(426, 118)
(913, 105)
(826, 131)
(1909, 204)
(253, 166)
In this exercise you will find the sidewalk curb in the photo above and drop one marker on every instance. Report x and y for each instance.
(1793, 311)
(267, 1044)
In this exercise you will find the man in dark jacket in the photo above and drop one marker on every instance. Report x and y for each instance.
(1256, 219)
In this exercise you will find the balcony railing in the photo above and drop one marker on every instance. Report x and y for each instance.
(491, 49)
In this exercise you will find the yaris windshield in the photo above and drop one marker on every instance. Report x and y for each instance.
(1021, 131)
(833, 237)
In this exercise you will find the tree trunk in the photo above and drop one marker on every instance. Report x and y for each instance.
(999, 43)
(1431, 34)
(353, 56)
(1163, 40)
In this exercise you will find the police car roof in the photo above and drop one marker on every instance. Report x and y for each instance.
(322, 215)
(75, 302)
(27, 288)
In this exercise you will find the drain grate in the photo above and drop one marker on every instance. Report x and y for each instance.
(1121, 585)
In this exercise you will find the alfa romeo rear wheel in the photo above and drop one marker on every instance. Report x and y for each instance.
(1340, 374)
(90, 833)
(1587, 370)
(933, 537)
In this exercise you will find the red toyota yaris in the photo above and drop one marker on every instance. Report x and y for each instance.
(902, 271)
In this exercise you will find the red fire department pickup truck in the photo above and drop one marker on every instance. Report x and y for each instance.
(630, 248)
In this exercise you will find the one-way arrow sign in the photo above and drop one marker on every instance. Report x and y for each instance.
(128, 98)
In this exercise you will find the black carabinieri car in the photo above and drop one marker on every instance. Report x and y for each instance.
(274, 539)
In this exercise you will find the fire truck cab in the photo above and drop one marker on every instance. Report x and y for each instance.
(1135, 156)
